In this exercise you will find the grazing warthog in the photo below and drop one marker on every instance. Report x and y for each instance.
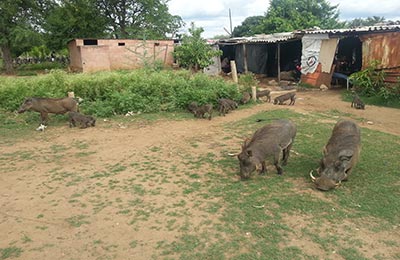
(357, 102)
(264, 93)
(85, 121)
(267, 143)
(282, 98)
(49, 105)
(340, 155)
(201, 111)
(245, 98)
(225, 105)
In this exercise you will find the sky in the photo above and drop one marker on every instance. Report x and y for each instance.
(213, 15)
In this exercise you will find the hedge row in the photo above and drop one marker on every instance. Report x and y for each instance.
(108, 93)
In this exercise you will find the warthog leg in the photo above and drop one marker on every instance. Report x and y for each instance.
(286, 152)
(263, 169)
(43, 118)
(276, 163)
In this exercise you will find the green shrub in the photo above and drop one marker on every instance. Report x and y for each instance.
(370, 84)
(369, 81)
(247, 80)
(108, 93)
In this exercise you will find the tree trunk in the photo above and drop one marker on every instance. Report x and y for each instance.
(6, 51)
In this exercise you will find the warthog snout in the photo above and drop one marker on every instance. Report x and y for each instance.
(246, 165)
(323, 183)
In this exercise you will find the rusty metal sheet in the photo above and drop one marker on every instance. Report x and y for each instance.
(384, 47)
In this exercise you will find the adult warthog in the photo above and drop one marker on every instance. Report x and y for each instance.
(267, 143)
(340, 155)
(282, 98)
(48, 105)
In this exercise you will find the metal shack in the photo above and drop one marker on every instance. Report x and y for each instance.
(324, 54)
(88, 55)
(337, 53)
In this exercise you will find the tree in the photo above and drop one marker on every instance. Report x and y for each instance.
(250, 26)
(18, 26)
(69, 19)
(369, 21)
(290, 15)
(148, 19)
(195, 53)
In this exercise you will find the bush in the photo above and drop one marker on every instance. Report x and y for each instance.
(247, 80)
(370, 81)
(370, 84)
(108, 93)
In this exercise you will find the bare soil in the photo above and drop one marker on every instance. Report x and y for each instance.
(53, 213)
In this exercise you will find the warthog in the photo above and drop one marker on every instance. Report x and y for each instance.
(49, 105)
(340, 155)
(357, 102)
(245, 98)
(201, 111)
(192, 106)
(225, 105)
(85, 121)
(264, 93)
(282, 98)
(267, 143)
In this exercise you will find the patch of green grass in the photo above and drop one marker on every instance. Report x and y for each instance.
(83, 154)
(10, 252)
(57, 148)
(351, 253)
(42, 227)
(77, 221)
(116, 168)
(252, 212)
(133, 244)
(25, 239)
(80, 145)
(373, 100)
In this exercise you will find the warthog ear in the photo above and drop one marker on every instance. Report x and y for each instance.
(345, 155)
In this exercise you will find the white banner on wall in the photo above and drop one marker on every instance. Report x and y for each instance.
(310, 52)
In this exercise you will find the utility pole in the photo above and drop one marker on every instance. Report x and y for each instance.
(230, 24)
(230, 20)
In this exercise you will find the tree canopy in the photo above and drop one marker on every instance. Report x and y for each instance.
(290, 15)
(194, 52)
(28, 23)
(250, 26)
(19, 23)
(369, 21)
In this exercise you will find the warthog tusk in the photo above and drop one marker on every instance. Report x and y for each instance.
(232, 154)
(338, 184)
(312, 176)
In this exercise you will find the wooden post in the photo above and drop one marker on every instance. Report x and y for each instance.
(245, 58)
(254, 93)
(279, 62)
(234, 71)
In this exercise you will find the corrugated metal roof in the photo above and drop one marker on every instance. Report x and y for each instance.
(261, 38)
(285, 36)
(364, 29)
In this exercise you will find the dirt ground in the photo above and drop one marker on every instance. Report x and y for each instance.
(37, 189)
